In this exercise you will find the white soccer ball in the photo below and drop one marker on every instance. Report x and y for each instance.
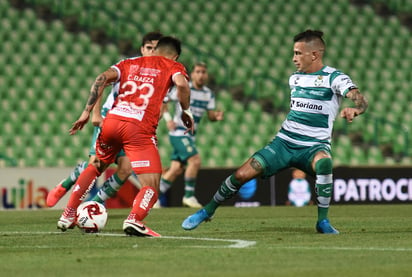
(91, 216)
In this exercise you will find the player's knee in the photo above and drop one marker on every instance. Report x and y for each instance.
(99, 165)
(241, 176)
(173, 172)
(179, 171)
(324, 166)
(94, 161)
(195, 161)
(124, 171)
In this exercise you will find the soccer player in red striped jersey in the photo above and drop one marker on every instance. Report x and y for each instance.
(124, 169)
(131, 125)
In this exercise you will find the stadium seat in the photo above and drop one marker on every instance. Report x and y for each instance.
(375, 156)
(252, 44)
(406, 161)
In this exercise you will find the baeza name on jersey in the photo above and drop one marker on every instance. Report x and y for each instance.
(140, 78)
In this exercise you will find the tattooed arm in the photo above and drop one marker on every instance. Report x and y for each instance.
(96, 91)
(102, 81)
(361, 104)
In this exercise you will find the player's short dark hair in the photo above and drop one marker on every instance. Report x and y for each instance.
(156, 35)
(309, 36)
(170, 44)
(201, 64)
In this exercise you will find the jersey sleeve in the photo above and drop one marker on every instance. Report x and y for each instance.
(341, 84)
(176, 70)
(119, 68)
(179, 69)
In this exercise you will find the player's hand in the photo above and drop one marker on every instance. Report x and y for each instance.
(79, 123)
(349, 113)
(187, 118)
(219, 115)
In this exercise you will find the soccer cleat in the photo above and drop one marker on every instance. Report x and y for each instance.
(325, 227)
(191, 202)
(195, 219)
(136, 228)
(55, 195)
(67, 220)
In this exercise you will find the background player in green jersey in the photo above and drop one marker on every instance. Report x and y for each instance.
(304, 138)
(124, 169)
(185, 156)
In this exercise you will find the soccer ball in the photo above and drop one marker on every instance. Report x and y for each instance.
(91, 217)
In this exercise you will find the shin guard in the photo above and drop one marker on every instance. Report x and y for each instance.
(83, 185)
(143, 202)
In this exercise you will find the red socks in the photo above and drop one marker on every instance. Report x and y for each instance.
(143, 202)
(82, 186)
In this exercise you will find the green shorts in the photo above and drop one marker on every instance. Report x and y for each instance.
(92, 151)
(183, 148)
(281, 154)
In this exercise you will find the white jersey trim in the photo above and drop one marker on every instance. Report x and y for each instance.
(118, 73)
(316, 133)
(298, 142)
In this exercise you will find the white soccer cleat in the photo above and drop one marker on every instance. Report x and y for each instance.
(191, 202)
(136, 228)
(67, 220)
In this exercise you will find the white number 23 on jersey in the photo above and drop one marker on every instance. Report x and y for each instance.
(145, 91)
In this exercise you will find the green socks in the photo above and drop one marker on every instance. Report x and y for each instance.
(324, 182)
(109, 188)
(71, 180)
(227, 190)
(190, 184)
(164, 185)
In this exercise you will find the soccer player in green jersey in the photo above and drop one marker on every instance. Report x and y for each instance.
(305, 136)
(185, 156)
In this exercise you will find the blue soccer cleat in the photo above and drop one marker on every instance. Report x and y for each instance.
(324, 227)
(192, 221)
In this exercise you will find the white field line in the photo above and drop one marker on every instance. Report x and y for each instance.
(343, 248)
(234, 243)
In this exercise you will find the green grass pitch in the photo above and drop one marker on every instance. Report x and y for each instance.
(375, 240)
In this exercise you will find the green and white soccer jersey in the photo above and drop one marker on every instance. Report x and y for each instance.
(201, 101)
(314, 105)
(108, 104)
